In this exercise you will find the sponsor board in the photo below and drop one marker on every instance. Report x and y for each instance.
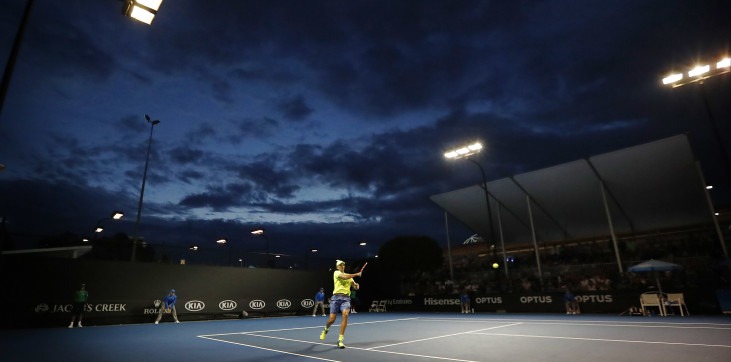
(307, 303)
(536, 299)
(441, 301)
(489, 300)
(284, 304)
(594, 298)
(257, 304)
(194, 305)
(68, 308)
(227, 305)
(400, 302)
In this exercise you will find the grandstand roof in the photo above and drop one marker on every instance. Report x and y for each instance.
(647, 187)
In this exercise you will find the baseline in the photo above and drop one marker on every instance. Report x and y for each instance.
(604, 340)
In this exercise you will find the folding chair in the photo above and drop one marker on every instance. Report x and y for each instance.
(678, 300)
(373, 307)
(382, 306)
(651, 300)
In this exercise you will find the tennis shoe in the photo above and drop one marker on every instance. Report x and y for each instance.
(80, 325)
(71, 325)
(156, 322)
(340, 344)
(323, 334)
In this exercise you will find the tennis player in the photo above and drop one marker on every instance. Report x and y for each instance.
(340, 301)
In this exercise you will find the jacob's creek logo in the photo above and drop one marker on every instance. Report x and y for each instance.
(283, 304)
(227, 305)
(61, 308)
(307, 303)
(194, 305)
(257, 304)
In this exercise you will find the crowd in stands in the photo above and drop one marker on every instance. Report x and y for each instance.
(589, 265)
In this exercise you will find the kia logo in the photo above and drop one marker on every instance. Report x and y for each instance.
(283, 304)
(195, 305)
(227, 305)
(257, 304)
(307, 303)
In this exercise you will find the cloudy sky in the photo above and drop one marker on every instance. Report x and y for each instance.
(324, 121)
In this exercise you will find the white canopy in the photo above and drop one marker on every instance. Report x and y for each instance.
(647, 187)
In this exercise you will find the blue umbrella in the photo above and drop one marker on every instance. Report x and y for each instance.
(653, 265)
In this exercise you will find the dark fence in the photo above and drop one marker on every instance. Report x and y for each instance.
(39, 291)
(611, 302)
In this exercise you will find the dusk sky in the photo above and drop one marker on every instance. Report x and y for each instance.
(325, 121)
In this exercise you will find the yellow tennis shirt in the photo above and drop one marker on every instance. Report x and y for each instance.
(342, 286)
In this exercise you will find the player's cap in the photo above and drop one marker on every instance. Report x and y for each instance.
(83, 285)
(172, 290)
(338, 262)
(322, 288)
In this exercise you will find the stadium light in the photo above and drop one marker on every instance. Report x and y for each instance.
(463, 151)
(222, 241)
(698, 73)
(699, 70)
(141, 10)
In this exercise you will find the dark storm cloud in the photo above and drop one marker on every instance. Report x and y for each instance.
(184, 155)
(264, 127)
(269, 178)
(68, 51)
(295, 108)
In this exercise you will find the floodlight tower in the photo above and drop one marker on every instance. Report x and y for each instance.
(465, 152)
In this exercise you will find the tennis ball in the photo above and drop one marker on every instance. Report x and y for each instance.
(495, 265)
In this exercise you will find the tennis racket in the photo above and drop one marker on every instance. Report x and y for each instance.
(364, 265)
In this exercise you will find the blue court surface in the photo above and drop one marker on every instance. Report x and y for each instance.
(386, 337)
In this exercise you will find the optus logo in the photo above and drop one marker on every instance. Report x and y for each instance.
(227, 305)
(195, 305)
(283, 304)
(257, 304)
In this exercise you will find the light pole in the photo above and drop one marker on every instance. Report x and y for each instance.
(699, 74)
(142, 191)
(465, 152)
(260, 232)
(223, 241)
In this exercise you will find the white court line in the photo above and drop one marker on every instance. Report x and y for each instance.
(313, 327)
(443, 336)
(579, 322)
(594, 324)
(270, 349)
(606, 340)
(362, 349)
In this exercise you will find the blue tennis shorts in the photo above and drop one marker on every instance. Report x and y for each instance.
(339, 303)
